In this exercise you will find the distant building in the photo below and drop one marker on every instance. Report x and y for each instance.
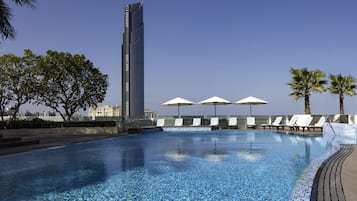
(104, 111)
(44, 115)
(150, 114)
(113, 111)
(133, 62)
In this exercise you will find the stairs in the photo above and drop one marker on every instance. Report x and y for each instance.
(8, 142)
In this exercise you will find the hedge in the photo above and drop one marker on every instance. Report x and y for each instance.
(39, 123)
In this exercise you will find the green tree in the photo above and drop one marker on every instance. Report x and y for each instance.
(68, 83)
(17, 79)
(342, 85)
(6, 29)
(304, 82)
(5, 94)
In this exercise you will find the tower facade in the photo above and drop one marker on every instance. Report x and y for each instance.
(133, 62)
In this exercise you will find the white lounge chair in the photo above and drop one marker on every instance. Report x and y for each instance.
(214, 123)
(319, 124)
(178, 122)
(251, 122)
(290, 124)
(303, 124)
(160, 122)
(232, 122)
(196, 122)
(276, 122)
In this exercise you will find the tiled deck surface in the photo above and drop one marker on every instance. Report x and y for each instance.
(337, 177)
(349, 175)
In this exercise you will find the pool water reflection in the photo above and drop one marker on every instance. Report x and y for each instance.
(217, 165)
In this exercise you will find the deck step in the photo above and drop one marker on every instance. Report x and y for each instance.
(12, 139)
(18, 143)
(135, 130)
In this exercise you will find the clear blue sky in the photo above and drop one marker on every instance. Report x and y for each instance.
(201, 48)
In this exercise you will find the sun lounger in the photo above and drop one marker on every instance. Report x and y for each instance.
(160, 122)
(232, 122)
(214, 123)
(251, 122)
(318, 125)
(196, 122)
(290, 124)
(276, 122)
(303, 124)
(178, 122)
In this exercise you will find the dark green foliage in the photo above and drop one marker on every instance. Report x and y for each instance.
(61, 81)
(35, 123)
(67, 83)
(304, 82)
(17, 78)
(39, 123)
(2, 124)
(342, 85)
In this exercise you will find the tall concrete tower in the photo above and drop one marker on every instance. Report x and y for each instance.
(133, 62)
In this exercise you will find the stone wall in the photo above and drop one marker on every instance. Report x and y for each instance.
(341, 133)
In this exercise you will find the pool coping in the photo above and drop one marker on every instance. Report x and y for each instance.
(303, 186)
(325, 177)
(328, 181)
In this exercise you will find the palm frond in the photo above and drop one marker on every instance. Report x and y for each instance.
(341, 85)
(6, 30)
(29, 3)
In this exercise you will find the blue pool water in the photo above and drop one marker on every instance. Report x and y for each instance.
(217, 165)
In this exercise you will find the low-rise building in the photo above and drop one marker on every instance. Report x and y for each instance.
(114, 111)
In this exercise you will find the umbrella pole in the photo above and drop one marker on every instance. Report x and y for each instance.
(178, 111)
(215, 110)
(250, 109)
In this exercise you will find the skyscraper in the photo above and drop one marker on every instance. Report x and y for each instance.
(133, 62)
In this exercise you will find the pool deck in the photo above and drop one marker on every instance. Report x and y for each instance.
(337, 176)
(349, 175)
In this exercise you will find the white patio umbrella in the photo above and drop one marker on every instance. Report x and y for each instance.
(214, 101)
(178, 102)
(251, 101)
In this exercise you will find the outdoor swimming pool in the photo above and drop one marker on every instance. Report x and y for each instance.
(215, 165)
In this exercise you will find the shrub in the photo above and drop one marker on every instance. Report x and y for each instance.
(39, 123)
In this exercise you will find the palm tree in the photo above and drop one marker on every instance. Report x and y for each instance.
(342, 85)
(304, 82)
(6, 29)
